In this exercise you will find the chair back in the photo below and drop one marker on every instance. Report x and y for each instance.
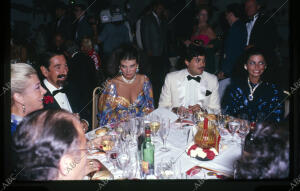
(96, 95)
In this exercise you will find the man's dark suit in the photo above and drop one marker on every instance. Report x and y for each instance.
(154, 39)
(81, 82)
(83, 29)
(264, 36)
(64, 27)
(234, 46)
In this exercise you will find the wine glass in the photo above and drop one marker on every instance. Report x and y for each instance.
(133, 130)
(163, 133)
(112, 156)
(165, 169)
(233, 126)
(243, 131)
(181, 113)
(123, 160)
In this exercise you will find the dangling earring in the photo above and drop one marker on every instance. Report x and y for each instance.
(120, 71)
(137, 70)
(23, 108)
(245, 67)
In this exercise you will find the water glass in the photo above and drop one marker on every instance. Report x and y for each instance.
(163, 133)
(233, 126)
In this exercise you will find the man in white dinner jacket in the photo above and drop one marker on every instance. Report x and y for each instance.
(191, 88)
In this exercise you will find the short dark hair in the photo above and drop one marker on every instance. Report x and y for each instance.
(81, 6)
(235, 9)
(268, 155)
(40, 141)
(194, 51)
(44, 58)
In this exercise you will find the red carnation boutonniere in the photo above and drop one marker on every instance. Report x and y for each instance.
(48, 99)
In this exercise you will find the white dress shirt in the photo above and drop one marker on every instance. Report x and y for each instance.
(249, 26)
(60, 97)
(157, 19)
(192, 89)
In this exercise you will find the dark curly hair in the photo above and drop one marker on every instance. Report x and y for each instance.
(267, 157)
(124, 52)
(40, 141)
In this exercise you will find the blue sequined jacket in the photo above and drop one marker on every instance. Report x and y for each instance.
(268, 100)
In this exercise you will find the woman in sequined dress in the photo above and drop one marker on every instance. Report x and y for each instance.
(129, 93)
(259, 99)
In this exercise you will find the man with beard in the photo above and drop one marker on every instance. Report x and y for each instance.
(192, 88)
(55, 70)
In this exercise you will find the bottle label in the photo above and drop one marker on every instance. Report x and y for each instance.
(145, 167)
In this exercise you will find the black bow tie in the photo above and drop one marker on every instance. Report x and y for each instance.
(57, 91)
(189, 77)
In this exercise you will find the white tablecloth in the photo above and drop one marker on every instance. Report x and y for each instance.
(177, 143)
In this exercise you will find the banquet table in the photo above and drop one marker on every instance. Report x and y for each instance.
(177, 142)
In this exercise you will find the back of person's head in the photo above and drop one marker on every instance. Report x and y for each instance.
(41, 140)
(267, 156)
(193, 51)
(235, 9)
(20, 73)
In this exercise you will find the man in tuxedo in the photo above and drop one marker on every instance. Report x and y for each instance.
(235, 41)
(83, 28)
(261, 31)
(154, 39)
(191, 88)
(63, 23)
(55, 70)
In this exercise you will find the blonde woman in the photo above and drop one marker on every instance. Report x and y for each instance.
(26, 92)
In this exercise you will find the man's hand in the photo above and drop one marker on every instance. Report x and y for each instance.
(85, 125)
(179, 109)
(194, 108)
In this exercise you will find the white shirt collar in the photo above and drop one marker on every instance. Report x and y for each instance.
(155, 15)
(50, 87)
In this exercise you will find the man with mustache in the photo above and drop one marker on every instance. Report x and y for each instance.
(55, 70)
(192, 88)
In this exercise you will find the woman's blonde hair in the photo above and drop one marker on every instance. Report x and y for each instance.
(20, 73)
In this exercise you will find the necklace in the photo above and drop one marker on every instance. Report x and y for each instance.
(128, 81)
(252, 90)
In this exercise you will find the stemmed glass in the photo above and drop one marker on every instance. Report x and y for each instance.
(243, 131)
(123, 160)
(111, 156)
(233, 126)
(165, 169)
(181, 113)
(163, 133)
(133, 130)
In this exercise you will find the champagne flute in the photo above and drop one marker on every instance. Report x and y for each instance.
(164, 132)
(243, 131)
(154, 126)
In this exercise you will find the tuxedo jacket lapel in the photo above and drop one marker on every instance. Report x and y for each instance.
(54, 105)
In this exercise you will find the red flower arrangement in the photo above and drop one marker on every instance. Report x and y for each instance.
(48, 99)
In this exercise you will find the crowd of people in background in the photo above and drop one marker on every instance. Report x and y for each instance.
(75, 53)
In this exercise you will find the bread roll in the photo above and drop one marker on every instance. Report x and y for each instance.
(103, 175)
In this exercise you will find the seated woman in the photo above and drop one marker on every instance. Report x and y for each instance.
(51, 145)
(26, 92)
(253, 95)
(128, 92)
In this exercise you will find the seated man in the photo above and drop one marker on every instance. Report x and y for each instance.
(55, 70)
(190, 88)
